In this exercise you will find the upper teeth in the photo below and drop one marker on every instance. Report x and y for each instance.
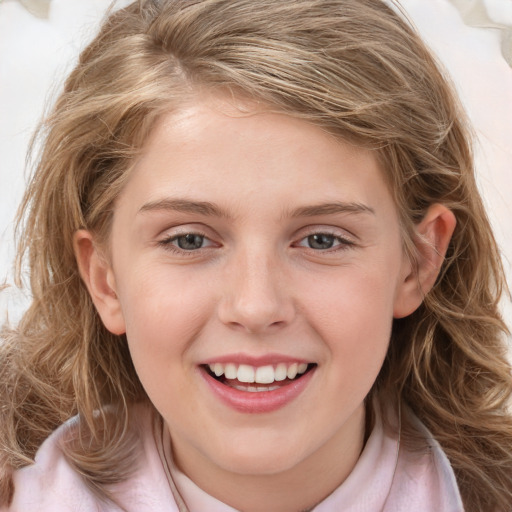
(261, 374)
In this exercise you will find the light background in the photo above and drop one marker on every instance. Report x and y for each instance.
(40, 41)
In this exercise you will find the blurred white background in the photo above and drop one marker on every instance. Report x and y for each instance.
(40, 41)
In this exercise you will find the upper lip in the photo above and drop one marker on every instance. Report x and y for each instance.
(253, 360)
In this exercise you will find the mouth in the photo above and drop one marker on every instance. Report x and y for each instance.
(257, 379)
(257, 389)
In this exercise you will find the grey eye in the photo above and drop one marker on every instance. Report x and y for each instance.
(321, 241)
(189, 242)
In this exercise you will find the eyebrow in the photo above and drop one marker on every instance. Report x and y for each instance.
(331, 209)
(185, 206)
(209, 209)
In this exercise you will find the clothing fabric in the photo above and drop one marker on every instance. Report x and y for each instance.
(387, 477)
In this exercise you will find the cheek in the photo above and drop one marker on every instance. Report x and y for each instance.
(353, 312)
(162, 294)
(164, 313)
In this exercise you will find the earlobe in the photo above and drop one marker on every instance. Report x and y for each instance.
(433, 235)
(99, 279)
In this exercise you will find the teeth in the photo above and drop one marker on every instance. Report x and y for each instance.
(230, 371)
(260, 375)
(257, 389)
(292, 371)
(280, 372)
(245, 373)
(265, 375)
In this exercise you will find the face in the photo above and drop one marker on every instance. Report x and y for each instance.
(257, 265)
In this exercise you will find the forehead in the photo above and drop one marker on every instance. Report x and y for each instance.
(231, 149)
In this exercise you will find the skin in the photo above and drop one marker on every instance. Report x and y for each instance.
(257, 286)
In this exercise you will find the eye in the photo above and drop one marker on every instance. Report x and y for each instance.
(189, 242)
(320, 241)
(186, 242)
(324, 241)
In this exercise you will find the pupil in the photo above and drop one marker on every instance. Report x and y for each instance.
(321, 241)
(190, 241)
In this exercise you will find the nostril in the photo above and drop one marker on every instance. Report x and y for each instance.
(254, 297)
(255, 318)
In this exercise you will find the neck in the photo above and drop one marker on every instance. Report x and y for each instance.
(295, 489)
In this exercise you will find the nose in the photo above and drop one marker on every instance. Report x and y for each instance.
(255, 296)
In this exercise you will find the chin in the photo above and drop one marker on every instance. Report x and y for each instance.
(261, 461)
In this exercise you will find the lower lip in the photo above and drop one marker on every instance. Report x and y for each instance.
(258, 402)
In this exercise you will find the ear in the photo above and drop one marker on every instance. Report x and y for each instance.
(431, 239)
(98, 277)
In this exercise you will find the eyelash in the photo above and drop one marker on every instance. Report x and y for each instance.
(168, 245)
(343, 243)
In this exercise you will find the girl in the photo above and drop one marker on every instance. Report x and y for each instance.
(262, 275)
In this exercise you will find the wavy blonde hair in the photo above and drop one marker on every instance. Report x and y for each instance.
(353, 67)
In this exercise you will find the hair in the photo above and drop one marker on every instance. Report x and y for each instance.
(357, 69)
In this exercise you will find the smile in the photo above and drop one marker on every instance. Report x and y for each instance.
(257, 389)
(267, 374)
